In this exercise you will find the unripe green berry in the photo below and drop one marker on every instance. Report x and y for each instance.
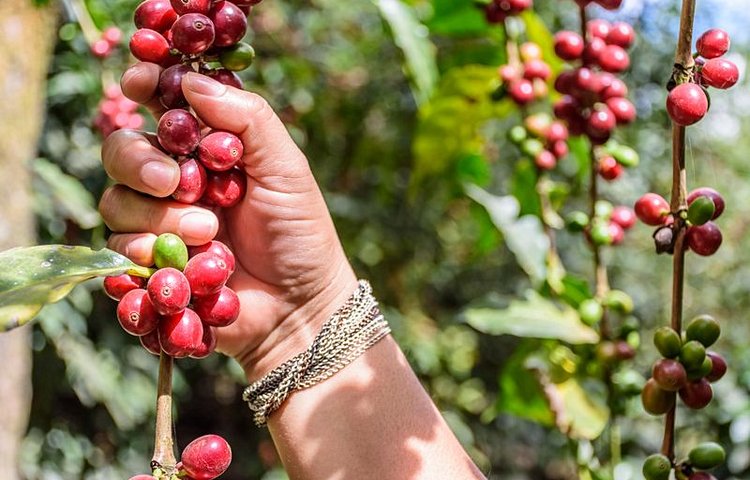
(707, 455)
(591, 311)
(170, 251)
(618, 301)
(238, 57)
(517, 134)
(668, 342)
(657, 467)
(701, 210)
(692, 355)
(705, 329)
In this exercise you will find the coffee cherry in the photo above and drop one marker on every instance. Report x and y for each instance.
(227, 77)
(687, 104)
(181, 334)
(598, 28)
(602, 121)
(701, 476)
(178, 132)
(208, 343)
(707, 455)
(150, 342)
(670, 375)
(702, 371)
(624, 351)
(593, 51)
(220, 151)
(668, 342)
(704, 329)
(117, 286)
(657, 467)
(170, 86)
(170, 251)
(608, 168)
(220, 309)
(225, 189)
(718, 367)
(193, 34)
(206, 457)
(149, 46)
(545, 160)
(521, 91)
(183, 7)
(143, 477)
(591, 311)
(614, 59)
(696, 394)
(622, 108)
(216, 249)
(656, 401)
(169, 291)
(206, 274)
(568, 45)
(230, 23)
(616, 89)
(530, 51)
(156, 15)
(652, 209)
(704, 239)
(720, 73)
(609, 4)
(560, 149)
(625, 156)
(193, 181)
(536, 68)
(701, 210)
(556, 132)
(623, 216)
(713, 195)
(692, 355)
(136, 314)
(713, 43)
(238, 57)
(621, 34)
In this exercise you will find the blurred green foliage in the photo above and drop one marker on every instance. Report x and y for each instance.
(391, 102)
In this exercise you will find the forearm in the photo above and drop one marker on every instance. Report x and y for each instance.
(371, 420)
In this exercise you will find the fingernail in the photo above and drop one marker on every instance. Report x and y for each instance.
(197, 226)
(161, 176)
(203, 85)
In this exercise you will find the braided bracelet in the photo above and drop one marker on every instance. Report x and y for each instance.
(351, 330)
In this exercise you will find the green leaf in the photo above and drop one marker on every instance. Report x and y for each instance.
(412, 37)
(457, 18)
(524, 235)
(582, 414)
(523, 187)
(31, 277)
(533, 317)
(66, 193)
(520, 393)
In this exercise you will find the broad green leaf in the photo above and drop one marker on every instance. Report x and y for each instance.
(413, 39)
(520, 393)
(31, 277)
(457, 18)
(67, 195)
(524, 235)
(533, 317)
(523, 187)
(583, 414)
(581, 153)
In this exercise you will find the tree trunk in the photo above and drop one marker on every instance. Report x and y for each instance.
(26, 36)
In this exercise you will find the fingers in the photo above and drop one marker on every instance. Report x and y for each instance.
(131, 158)
(140, 84)
(126, 211)
(269, 150)
(139, 247)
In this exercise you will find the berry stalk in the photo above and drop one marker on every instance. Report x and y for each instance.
(164, 457)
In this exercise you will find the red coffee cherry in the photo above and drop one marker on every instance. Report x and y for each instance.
(169, 291)
(720, 73)
(598, 28)
(193, 181)
(217, 249)
(656, 401)
(623, 216)
(697, 394)
(593, 51)
(170, 86)
(230, 23)
(621, 34)
(713, 43)
(687, 104)
(704, 239)
(701, 476)
(602, 121)
(508, 73)
(206, 274)
(545, 160)
(193, 33)
(565, 82)
(610, 4)
(670, 375)
(225, 189)
(208, 343)
(206, 457)
(178, 132)
(191, 6)
(227, 77)
(622, 108)
(149, 46)
(136, 314)
(117, 286)
(150, 342)
(615, 89)
(608, 168)
(556, 132)
(568, 45)
(536, 68)
(220, 151)
(614, 59)
(718, 367)
(652, 209)
(155, 15)
(521, 91)
(713, 195)
(220, 309)
(181, 334)
(560, 149)
(617, 235)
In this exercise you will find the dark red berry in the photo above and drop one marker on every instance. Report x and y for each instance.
(117, 286)
(557, 132)
(616, 88)
(220, 309)
(656, 400)
(178, 132)
(521, 91)
(225, 189)
(614, 59)
(150, 342)
(718, 367)
(181, 334)
(136, 314)
(623, 216)
(610, 4)
(669, 374)
(230, 23)
(208, 343)
(536, 68)
(191, 6)
(170, 86)
(713, 43)
(565, 82)
(652, 209)
(545, 160)
(193, 181)
(220, 151)
(217, 249)
(149, 46)
(227, 77)
(101, 48)
(602, 121)
(622, 108)
(622, 34)
(701, 476)
(720, 73)
(169, 291)
(713, 195)
(697, 394)
(608, 168)
(206, 274)
(206, 457)
(193, 33)
(568, 45)
(587, 80)
(598, 28)
(155, 14)
(704, 239)
(566, 108)
(687, 104)
(593, 51)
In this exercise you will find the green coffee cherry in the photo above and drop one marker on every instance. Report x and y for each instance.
(591, 311)
(701, 371)
(600, 233)
(577, 221)
(170, 251)
(603, 209)
(668, 342)
(692, 355)
(707, 455)
(705, 329)
(626, 156)
(618, 301)
(238, 57)
(701, 210)
(517, 134)
(657, 467)
(532, 147)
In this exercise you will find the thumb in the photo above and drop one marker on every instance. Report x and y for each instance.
(270, 153)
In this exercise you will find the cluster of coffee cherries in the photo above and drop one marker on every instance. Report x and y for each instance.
(106, 44)
(527, 81)
(184, 300)
(116, 111)
(687, 102)
(594, 100)
(496, 11)
(608, 225)
(703, 235)
(702, 457)
(205, 458)
(612, 158)
(541, 138)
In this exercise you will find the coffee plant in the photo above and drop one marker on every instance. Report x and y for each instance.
(512, 124)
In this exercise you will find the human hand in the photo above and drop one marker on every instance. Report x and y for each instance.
(291, 273)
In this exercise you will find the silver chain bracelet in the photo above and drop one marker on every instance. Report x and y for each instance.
(351, 330)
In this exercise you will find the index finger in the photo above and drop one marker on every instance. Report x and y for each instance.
(140, 83)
